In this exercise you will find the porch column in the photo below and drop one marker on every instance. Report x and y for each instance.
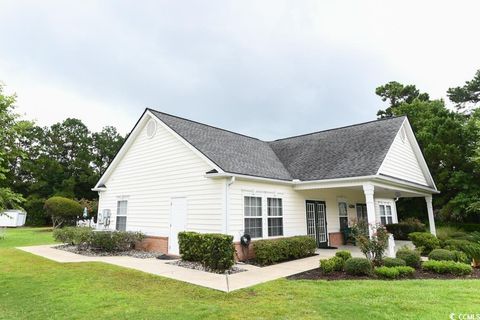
(368, 190)
(431, 219)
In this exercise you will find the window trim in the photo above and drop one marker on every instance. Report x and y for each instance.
(121, 215)
(385, 215)
(276, 216)
(254, 217)
(264, 196)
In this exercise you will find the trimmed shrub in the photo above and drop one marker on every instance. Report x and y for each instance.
(394, 262)
(190, 245)
(111, 241)
(344, 254)
(451, 267)
(283, 249)
(219, 251)
(402, 229)
(62, 210)
(425, 241)
(333, 264)
(79, 236)
(411, 257)
(327, 266)
(387, 272)
(215, 251)
(462, 257)
(394, 272)
(442, 255)
(405, 271)
(358, 267)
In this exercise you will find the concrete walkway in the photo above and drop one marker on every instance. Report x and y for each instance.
(253, 276)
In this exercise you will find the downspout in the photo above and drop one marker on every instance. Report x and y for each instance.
(228, 183)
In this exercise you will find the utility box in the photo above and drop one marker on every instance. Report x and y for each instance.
(13, 218)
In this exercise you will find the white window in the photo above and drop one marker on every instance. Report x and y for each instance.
(253, 216)
(275, 217)
(343, 215)
(121, 224)
(386, 216)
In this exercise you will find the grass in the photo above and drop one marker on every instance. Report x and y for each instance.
(19, 237)
(35, 288)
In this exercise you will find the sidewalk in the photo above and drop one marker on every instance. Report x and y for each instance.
(253, 276)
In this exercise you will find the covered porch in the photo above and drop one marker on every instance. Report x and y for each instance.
(332, 206)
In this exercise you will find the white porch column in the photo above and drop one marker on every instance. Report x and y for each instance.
(431, 219)
(369, 190)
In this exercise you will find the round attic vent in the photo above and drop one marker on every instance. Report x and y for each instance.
(151, 128)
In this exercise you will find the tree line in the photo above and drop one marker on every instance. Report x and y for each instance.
(66, 159)
(450, 141)
(36, 163)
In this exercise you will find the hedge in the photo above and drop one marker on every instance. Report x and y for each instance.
(411, 257)
(333, 264)
(394, 272)
(424, 241)
(442, 255)
(215, 251)
(455, 268)
(402, 229)
(88, 238)
(358, 267)
(283, 249)
(393, 262)
(344, 254)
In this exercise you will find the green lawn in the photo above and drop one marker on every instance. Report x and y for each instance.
(35, 288)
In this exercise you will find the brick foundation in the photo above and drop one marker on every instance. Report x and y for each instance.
(154, 244)
(335, 239)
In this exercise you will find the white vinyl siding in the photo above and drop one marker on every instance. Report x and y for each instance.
(401, 161)
(154, 170)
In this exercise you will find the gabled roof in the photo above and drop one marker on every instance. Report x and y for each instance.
(232, 152)
(352, 151)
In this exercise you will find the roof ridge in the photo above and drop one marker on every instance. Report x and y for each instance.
(339, 128)
(204, 124)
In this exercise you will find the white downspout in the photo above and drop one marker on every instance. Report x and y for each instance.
(228, 183)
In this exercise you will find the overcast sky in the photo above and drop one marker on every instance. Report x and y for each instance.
(269, 69)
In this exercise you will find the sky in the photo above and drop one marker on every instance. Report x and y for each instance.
(268, 69)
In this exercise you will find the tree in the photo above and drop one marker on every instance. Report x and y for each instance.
(449, 142)
(106, 144)
(396, 94)
(467, 97)
(62, 210)
(9, 129)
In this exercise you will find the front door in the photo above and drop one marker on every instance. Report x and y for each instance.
(178, 221)
(317, 222)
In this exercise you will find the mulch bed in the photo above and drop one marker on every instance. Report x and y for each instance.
(254, 262)
(316, 274)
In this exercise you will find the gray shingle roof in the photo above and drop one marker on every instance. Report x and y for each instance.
(351, 151)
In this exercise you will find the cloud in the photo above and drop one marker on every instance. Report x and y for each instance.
(268, 69)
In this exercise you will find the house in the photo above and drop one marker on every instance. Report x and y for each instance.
(174, 174)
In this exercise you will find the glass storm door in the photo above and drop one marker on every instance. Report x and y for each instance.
(317, 222)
